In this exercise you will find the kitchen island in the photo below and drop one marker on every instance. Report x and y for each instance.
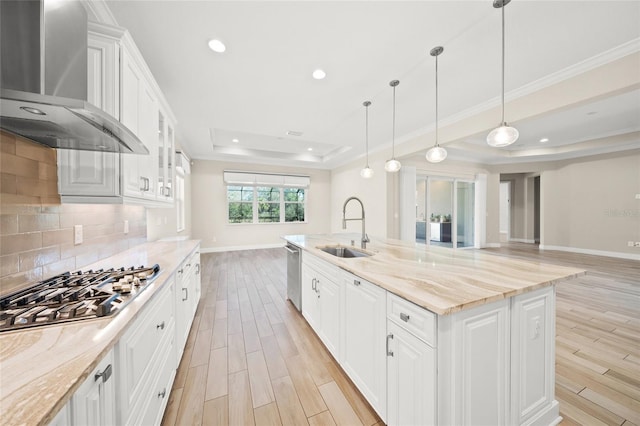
(432, 335)
(43, 368)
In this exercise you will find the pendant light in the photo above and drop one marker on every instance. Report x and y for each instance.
(437, 153)
(502, 135)
(393, 165)
(367, 172)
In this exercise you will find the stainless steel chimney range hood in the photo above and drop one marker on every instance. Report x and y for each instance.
(44, 79)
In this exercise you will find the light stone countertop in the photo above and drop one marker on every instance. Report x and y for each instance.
(41, 367)
(439, 279)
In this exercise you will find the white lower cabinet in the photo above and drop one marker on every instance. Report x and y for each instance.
(411, 379)
(187, 298)
(94, 402)
(321, 303)
(364, 339)
(141, 357)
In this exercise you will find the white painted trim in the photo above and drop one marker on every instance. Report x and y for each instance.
(522, 240)
(239, 248)
(620, 255)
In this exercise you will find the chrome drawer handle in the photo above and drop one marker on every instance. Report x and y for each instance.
(104, 374)
(163, 393)
(160, 326)
(313, 284)
(186, 294)
(404, 317)
(389, 352)
(356, 282)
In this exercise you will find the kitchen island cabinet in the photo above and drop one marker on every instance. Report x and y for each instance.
(58, 373)
(464, 337)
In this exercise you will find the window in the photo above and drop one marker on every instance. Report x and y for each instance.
(268, 204)
(265, 204)
(240, 200)
(294, 204)
(180, 214)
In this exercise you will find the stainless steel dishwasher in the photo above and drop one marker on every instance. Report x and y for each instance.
(294, 278)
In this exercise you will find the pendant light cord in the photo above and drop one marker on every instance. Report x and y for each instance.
(503, 6)
(437, 101)
(393, 128)
(366, 132)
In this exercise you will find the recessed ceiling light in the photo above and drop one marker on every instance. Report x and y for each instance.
(319, 74)
(543, 140)
(234, 140)
(32, 110)
(217, 46)
(309, 149)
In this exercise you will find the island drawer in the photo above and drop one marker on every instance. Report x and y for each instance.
(416, 320)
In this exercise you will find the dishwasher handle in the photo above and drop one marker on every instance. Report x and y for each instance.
(291, 251)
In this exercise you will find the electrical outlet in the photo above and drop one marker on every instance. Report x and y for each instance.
(637, 196)
(534, 328)
(637, 244)
(126, 226)
(630, 243)
(77, 234)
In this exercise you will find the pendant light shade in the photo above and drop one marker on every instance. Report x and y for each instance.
(437, 153)
(367, 172)
(393, 165)
(502, 135)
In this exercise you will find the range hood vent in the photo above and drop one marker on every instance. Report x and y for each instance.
(44, 79)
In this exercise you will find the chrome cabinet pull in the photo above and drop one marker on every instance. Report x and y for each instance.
(104, 374)
(160, 326)
(356, 282)
(163, 393)
(197, 268)
(389, 351)
(148, 184)
(186, 294)
(142, 184)
(404, 317)
(313, 284)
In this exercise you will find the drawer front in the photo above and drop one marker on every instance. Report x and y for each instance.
(320, 265)
(139, 346)
(416, 320)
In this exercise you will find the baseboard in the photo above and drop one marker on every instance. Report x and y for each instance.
(492, 245)
(238, 248)
(550, 415)
(522, 240)
(619, 255)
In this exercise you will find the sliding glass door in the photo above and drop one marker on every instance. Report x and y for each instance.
(445, 211)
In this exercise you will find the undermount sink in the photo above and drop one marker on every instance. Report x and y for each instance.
(345, 252)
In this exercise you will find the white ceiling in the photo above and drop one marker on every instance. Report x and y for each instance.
(261, 87)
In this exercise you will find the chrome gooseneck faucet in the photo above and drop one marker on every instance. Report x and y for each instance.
(365, 237)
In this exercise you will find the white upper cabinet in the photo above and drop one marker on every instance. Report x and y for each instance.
(120, 83)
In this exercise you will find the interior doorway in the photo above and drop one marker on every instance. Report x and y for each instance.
(505, 211)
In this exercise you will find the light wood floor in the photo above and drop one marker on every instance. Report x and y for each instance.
(252, 359)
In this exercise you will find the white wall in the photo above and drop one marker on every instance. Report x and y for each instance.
(209, 208)
(590, 204)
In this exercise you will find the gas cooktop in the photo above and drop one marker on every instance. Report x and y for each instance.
(73, 296)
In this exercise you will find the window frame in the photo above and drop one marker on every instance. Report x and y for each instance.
(255, 204)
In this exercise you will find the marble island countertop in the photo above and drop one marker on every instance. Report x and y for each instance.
(439, 279)
(41, 367)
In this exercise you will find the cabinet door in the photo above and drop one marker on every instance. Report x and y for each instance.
(94, 402)
(532, 355)
(364, 339)
(131, 91)
(92, 173)
(329, 298)
(310, 304)
(411, 375)
(148, 126)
